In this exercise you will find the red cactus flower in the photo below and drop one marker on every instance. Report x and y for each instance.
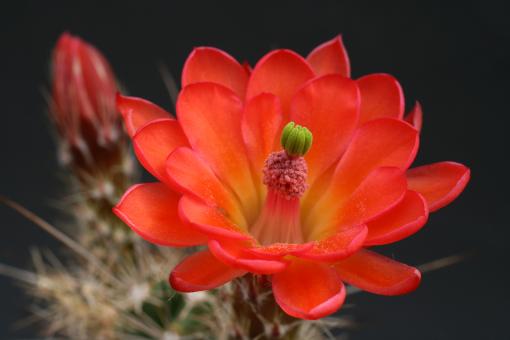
(83, 94)
(304, 221)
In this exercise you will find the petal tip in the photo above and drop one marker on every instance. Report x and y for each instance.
(253, 265)
(324, 309)
(322, 295)
(187, 202)
(409, 285)
(183, 286)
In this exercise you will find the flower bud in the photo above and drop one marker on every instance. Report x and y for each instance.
(296, 139)
(83, 95)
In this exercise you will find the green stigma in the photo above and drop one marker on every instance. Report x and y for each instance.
(296, 140)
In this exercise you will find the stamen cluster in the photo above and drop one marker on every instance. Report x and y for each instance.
(285, 174)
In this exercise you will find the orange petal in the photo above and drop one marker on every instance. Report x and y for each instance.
(338, 246)
(440, 183)
(155, 141)
(379, 192)
(201, 271)
(381, 96)
(232, 254)
(209, 220)
(280, 72)
(279, 250)
(382, 142)
(208, 64)
(378, 274)
(403, 220)
(415, 117)
(330, 57)
(151, 210)
(192, 175)
(313, 194)
(308, 290)
(210, 115)
(261, 125)
(329, 107)
(137, 112)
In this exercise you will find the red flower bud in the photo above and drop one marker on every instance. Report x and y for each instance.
(83, 95)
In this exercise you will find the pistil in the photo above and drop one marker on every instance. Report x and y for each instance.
(284, 174)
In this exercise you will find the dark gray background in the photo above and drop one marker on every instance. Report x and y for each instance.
(453, 57)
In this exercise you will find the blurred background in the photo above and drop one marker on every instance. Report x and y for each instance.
(453, 58)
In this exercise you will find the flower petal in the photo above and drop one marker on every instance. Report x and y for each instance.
(329, 107)
(201, 271)
(378, 274)
(155, 141)
(279, 250)
(381, 96)
(330, 57)
(192, 175)
(403, 220)
(338, 246)
(137, 112)
(232, 253)
(280, 72)
(151, 211)
(379, 192)
(261, 124)
(210, 115)
(440, 183)
(415, 117)
(208, 64)
(247, 67)
(314, 193)
(308, 290)
(382, 142)
(209, 220)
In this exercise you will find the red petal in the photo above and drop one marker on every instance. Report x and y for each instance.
(308, 290)
(313, 194)
(232, 254)
(207, 64)
(210, 116)
(379, 192)
(192, 175)
(440, 183)
(415, 117)
(338, 246)
(382, 142)
(247, 67)
(280, 72)
(329, 107)
(261, 126)
(330, 57)
(137, 112)
(201, 271)
(151, 211)
(378, 274)
(403, 220)
(155, 141)
(279, 250)
(381, 96)
(209, 220)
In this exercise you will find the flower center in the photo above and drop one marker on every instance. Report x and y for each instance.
(285, 173)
